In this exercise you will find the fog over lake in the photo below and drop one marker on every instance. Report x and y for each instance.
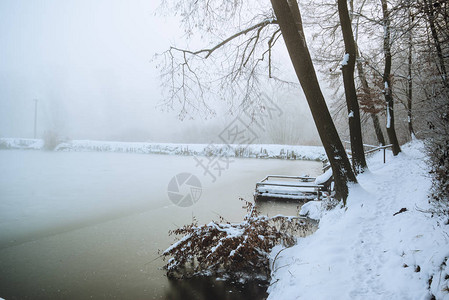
(89, 65)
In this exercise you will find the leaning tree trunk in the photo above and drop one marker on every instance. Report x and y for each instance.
(387, 81)
(347, 67)
(289, 18)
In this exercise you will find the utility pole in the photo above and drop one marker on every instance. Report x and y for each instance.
(35, 117)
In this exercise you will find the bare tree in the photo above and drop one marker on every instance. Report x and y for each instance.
(368, 101)
(431, 9)
(290, 22)
(348, 66)
(435, 89)
(391, 131)
(231, 68)
(410, 74)
(328, 46)
(249, 52)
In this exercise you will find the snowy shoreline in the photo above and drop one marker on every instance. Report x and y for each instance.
(386, 244)
(264, 151)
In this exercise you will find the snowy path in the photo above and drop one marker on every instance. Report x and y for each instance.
(363, 251)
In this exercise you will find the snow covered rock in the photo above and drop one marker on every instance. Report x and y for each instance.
(311, 209)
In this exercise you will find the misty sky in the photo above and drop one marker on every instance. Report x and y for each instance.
(89, 65)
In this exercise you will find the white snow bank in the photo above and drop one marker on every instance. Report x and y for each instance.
(366, 250)
(323, 178)
(19, 143)
(311, 209)
(234, 150)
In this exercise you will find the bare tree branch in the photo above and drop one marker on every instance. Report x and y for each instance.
(188, 79)
(209, 51)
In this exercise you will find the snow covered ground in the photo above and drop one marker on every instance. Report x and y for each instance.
(233, 150)
(366, 250)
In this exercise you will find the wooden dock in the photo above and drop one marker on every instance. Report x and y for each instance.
(304, 188)
(288, 188)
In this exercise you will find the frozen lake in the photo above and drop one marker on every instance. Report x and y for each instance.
(87, 224)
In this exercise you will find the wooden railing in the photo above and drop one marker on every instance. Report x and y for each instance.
(372, 149)
(378, 148)
(302, 178)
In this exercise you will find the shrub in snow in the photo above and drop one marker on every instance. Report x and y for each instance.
(232, 250)
(438, 152)
(439, 157)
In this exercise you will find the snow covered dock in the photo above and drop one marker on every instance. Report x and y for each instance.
(293, 187)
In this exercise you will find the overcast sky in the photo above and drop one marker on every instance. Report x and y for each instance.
(88, 62)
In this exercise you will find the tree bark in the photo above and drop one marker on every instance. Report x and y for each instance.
(347, 67)
(387, 81)
(410, 79)
(378, 129)
(289, 18)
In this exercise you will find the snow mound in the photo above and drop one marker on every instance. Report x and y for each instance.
(20, 143)
(311, 209)
(323, 178)
(384, 245)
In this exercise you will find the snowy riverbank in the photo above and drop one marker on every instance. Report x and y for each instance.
(245, 151)
(368, 250)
